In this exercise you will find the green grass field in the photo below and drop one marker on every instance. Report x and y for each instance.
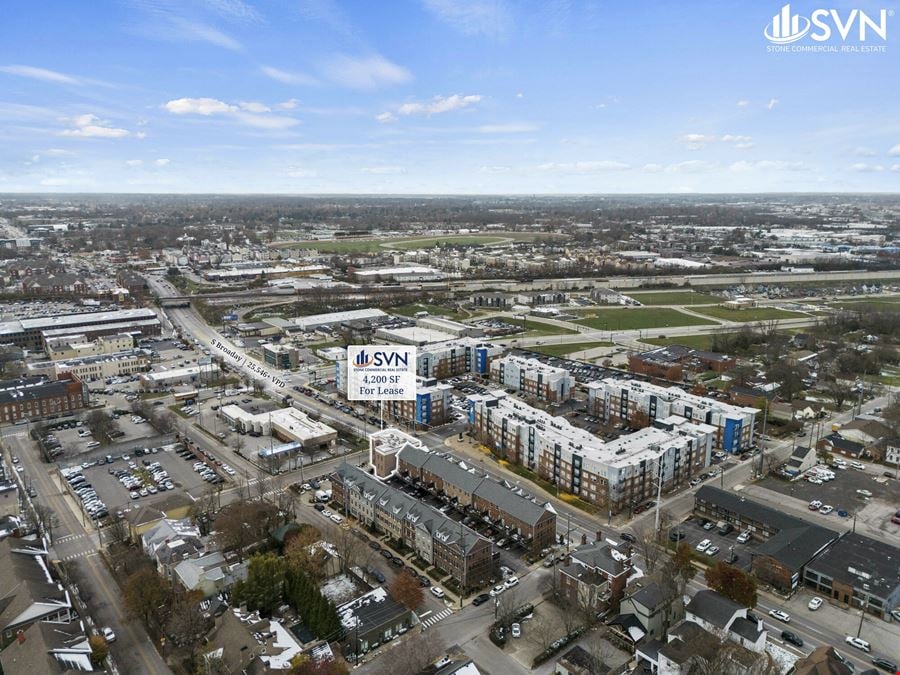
(435, 310)
(880, 305)
(673, 298)
(634, 319)
(571, 348)
(695, 341)
(372, 245)
(749, 314)
(533, 328)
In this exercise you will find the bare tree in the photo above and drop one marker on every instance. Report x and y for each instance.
(646, 543)
(262, 484)
(350, 549)
(412, 654)
(46, 517)
(542, 633)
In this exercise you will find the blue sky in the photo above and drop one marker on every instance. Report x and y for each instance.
(440, 96)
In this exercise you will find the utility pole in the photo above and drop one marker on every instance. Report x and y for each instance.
(862, 614)
(568, 529)
(762, 448)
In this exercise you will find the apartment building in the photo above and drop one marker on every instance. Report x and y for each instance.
(456, 357)
(35, 397)
(639, 404)
(618, 474)
(431, 406)
(436, 539)
(533, 378)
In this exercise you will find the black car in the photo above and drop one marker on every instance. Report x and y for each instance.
(374, 545)
(793, 638)
(319, 507)
(884, 664)
(387, 554)
(424, 581)
(627, 536)
(396, 562)
(481, 599)
(676, 535)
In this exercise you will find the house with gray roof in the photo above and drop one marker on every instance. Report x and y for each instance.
(722, 616)
(209, 574)
(593, 576)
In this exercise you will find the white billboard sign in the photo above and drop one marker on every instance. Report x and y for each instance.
(381, 373)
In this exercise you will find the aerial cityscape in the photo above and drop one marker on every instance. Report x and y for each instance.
(449, 337)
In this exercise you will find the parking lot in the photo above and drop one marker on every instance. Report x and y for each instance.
(840, 493)
(694, 534)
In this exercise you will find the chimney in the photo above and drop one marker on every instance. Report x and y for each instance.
(20, 637)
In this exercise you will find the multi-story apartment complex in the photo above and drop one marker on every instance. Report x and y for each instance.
(35, 397)
(618, 474)
(436, 539)
(533, 378)
(456, 357)
(431, 406)
(392, 452)
(640, 403)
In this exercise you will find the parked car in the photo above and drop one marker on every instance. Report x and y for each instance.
(497, 590)
(815, 603)
(627, 536)
(437, 592)
(516, 630)
(481, 599)
(744, 537)
(792, 638)
(884, 664)
(511, 581)
(108, 634)
(703, 545)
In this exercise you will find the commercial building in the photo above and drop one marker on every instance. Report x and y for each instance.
(371, 619)
(35, 397)
(162, 379)
(283, 357)
(259, 272)
(436, 539)
(533, 378)
(310, 323)
(618, 474)
(286, 424)
(670, 362)
(391, 452)
(79, 346)
(858, 571)
(397, 274)
(454, 328)
(418, 336)
(30, 333)
(90, 368)
(456, 357)
(638, 404)
(491, 300)
(788, 543)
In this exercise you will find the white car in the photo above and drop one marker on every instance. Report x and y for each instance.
(511, 581)
(336, 518)
(781, 616)
(703, 545)
(826, 509)
(327, 513)
(437, 592)
(744, 537)
(108, 634)
(858, 466)
(497, 590)
(864, 493)
(516, 630)
(859, 643)
(815, 603)
(712, 550)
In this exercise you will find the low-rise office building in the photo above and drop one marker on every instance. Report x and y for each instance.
(35, 397)
(286, 424)
(638, 404)
(788, 543)
(283, 357)
(618, 474)
(203, 374)
(79, 346)
(669, 362)
(436, 539)
(371, 619)
(858, 571)
(89, 368)
(533, 378)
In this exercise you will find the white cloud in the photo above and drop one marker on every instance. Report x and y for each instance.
(437, 106)
(509, 128)
(288, 77)
(895, 151)
(692, 166)
(383, 170)
(290, 104)
(235, 9)
(494, 169)
(583, 167)
(490, 18)
(743, 103)
(199, 106)
(196, 31)
(91, 126)
(653, 168)
(699, 141)
(252, 113)
(767, 165)
(366, 73)
(895, 167)
(162, 161)
(520, 95)
(863, 151)
(772, 103)
(863, 167)
(134, 162)
(40, 74)
(254, 107)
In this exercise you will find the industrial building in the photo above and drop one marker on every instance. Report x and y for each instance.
(308, 324)
(533, 378)
(638, 404)
(618, 474)
(78, 346)
(453, 328)
(30, 333)
(286, 424)
(201, 374)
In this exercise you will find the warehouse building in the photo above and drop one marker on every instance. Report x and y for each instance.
(308, 324)
(200, 374)
(286, 424)
(30, 333)
(91, 368)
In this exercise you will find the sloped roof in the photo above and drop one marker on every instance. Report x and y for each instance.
(713, 608)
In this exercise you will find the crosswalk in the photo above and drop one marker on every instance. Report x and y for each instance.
(431, 620)
(70, 537)
(83, 554)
